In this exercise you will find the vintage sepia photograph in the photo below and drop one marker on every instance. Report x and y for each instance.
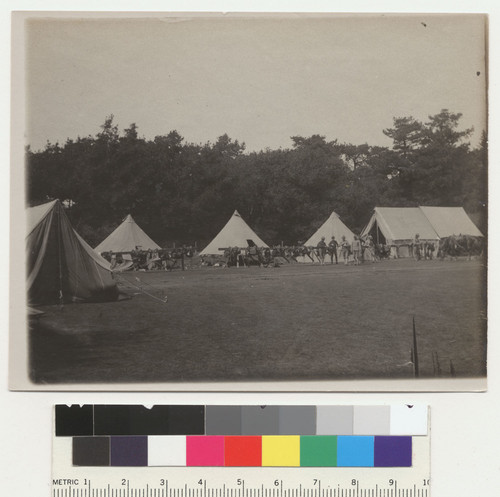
(249, 200)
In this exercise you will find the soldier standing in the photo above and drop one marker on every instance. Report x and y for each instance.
(332, 246)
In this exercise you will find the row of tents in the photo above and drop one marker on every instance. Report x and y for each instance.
(392, 226)
(62, 267)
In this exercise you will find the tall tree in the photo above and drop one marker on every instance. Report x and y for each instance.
(184, 192)
(433, 159)
(406, 135)
(441, 131)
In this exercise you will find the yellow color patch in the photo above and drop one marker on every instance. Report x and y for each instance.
(281, 450)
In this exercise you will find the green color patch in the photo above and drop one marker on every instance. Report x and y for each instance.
(318, 451)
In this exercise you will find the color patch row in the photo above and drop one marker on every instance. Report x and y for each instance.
(91, 420)
(282, 451)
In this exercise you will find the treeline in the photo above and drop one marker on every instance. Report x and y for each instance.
(183, 192)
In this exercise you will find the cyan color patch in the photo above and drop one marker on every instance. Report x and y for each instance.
(355, 451)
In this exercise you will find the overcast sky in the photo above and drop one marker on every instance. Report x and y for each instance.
(260, 81)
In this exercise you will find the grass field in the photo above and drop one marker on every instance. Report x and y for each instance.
(288, 323)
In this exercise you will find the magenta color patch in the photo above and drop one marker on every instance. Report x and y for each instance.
(205, 450)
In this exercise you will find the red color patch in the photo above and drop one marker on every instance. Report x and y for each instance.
(243, 451)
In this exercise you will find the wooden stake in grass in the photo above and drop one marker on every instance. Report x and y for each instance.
(415, 351)
(452, 369)
(438, 365)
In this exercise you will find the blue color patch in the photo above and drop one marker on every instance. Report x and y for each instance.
(355, 451)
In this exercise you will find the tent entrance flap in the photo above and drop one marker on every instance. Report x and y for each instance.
(398, 226)
(377, 235)
(61, 267)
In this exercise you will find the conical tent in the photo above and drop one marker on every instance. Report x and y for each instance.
(333, 226)
(234, 234)
(127, 237)
(61, 266)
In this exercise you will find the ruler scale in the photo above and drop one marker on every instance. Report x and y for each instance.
(150, 491)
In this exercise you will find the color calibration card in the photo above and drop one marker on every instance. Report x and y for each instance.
(240, 451)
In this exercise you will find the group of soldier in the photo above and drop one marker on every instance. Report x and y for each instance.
(148, 260)
(359, 250)
(422, 249)
(452, 246)
(355, 252)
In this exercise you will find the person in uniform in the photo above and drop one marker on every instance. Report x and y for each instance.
(322, 250)
(417, 247)
(356, 249)
(332, 247)
(345, 249)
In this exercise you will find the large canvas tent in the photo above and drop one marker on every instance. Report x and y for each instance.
(448, 221)
(127, 237)
(61, 266)
(397, 226)
(235, 233)
(333, 226)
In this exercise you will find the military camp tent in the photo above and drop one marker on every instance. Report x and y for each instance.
(397, 226)
(448, 221)
(235, 233)
(333, 226)
(127, 237)
(61, 266)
